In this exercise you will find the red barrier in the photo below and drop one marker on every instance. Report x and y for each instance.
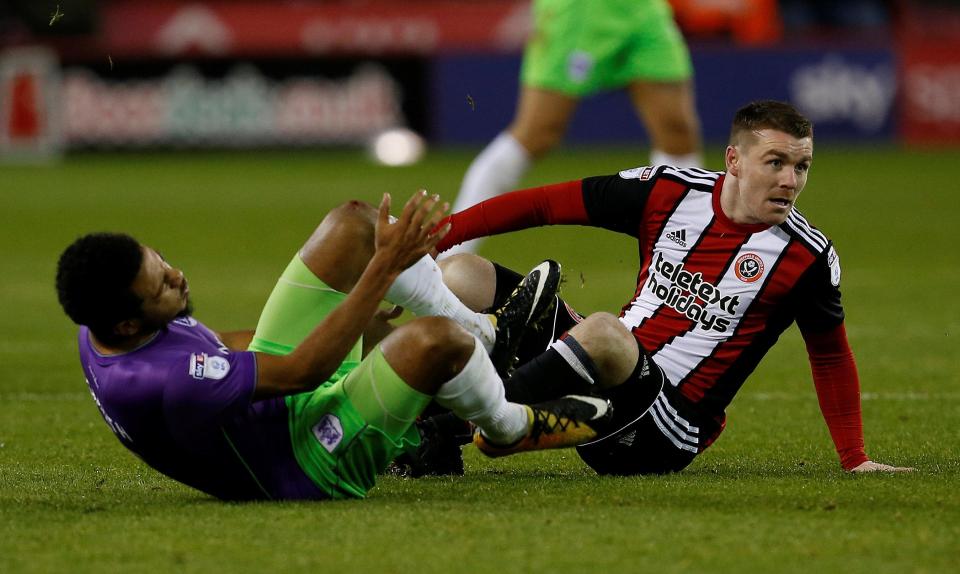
(930, 82)
(25, 108)
(236, 29)
(930, 74)
(29, 99)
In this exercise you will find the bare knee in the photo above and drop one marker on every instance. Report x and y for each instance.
(338, 250)
(670, 114)
(350, 217)
(677, 124)
(679, 132)
(428, 351)
(540, 139)
(472, 279)
(601, 330)
(542, 118)
(355, 208)
(610, 345)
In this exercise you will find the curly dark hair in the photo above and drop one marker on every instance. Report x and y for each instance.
(770, 114)
(94, 276)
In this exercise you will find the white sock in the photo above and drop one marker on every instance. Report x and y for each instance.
(658, 157)
(421, 290)
(497, 170)
(476, 394)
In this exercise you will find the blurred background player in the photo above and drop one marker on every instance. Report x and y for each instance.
(578, 48)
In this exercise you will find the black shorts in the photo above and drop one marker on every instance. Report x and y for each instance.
(665, 439)
(638, 449)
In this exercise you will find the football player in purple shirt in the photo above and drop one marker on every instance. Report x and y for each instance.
(292, 410)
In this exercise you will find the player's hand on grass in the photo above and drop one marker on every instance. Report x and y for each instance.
(412, 235)
(871, 466)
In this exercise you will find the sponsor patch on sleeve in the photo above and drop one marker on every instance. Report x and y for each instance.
(641, 173)
(204, 366)
(833, 260)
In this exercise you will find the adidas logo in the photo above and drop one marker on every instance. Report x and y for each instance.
(679, 237)
(628, 439)
(645, 369)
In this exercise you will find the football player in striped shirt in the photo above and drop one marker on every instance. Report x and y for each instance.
(726, 263)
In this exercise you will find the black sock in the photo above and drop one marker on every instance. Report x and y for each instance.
(550, 375)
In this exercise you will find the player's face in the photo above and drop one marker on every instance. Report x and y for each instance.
(162, 288)
(771, 168)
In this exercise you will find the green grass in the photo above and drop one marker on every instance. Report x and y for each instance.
(768, 497)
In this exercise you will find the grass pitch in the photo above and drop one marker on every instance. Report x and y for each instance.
(767, 497)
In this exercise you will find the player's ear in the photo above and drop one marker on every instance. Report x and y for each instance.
(732, 160)
(128, 327)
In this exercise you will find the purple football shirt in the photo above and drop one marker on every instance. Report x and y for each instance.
(182, 402)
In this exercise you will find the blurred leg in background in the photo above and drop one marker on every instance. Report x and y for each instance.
(577, 49)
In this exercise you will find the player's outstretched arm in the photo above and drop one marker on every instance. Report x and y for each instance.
(557, 204)
(871, 466)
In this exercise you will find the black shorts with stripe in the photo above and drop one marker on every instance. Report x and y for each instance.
(661, 441)
(639, 449)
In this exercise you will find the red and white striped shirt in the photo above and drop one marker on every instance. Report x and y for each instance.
(712, 295)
